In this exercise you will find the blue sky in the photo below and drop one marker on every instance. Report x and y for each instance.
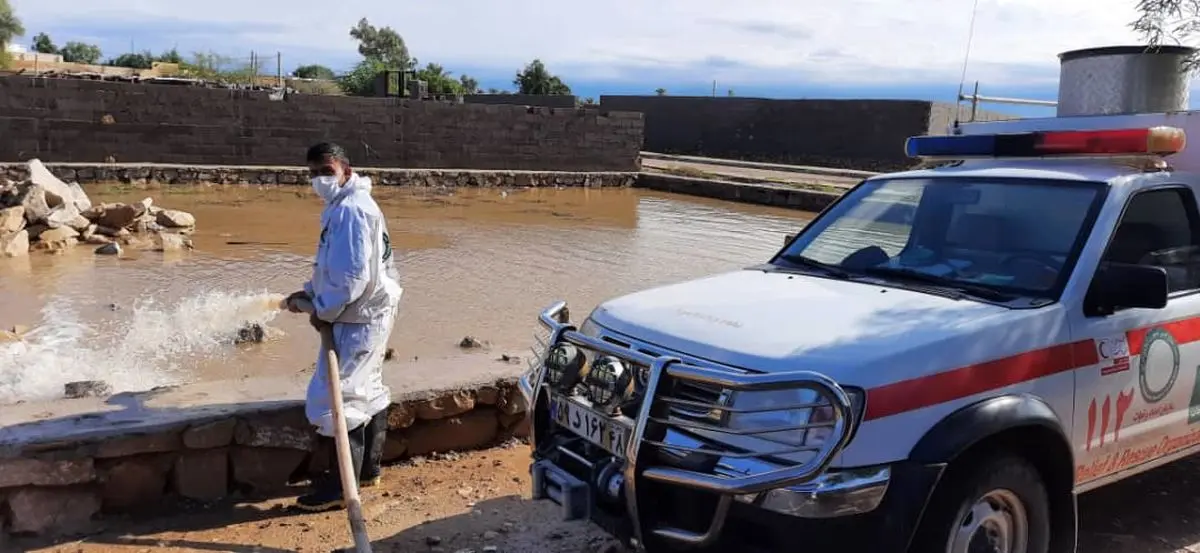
(770, 48)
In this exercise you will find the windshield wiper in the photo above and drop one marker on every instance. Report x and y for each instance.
(940, 282)
(808, 262)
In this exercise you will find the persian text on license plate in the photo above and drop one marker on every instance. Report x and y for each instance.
(604, 431)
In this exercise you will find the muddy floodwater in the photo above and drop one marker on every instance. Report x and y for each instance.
(473, 262)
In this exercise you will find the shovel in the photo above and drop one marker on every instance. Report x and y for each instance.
(358, 526)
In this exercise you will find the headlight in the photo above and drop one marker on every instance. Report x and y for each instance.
(607, 382)
(564, 362)
(778, 416)
(589, 328)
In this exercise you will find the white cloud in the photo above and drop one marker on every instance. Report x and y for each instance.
(749, 41)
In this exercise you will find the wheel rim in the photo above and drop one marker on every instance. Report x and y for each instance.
(995, 523)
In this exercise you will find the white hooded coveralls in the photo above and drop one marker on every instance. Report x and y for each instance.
(354, 286)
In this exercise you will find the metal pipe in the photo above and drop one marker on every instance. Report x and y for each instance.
(1000, 100)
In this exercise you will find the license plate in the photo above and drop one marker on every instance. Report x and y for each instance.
(592, 426)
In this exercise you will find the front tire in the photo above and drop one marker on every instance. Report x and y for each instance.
(997, 504)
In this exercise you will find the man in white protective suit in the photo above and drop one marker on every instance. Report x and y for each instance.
(355, 289)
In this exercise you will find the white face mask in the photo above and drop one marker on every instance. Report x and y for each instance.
(325, 186)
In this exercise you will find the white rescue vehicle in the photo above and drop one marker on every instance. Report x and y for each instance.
(938, 362)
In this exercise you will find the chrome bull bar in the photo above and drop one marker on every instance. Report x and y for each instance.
(556, 320)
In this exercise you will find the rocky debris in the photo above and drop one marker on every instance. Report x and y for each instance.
(170, 218)
(470, 342)
(250, 332)
(14, 244)
(86, 388)
(108, 248)
(168, 242)
(447, 405)
(44, 213)
(12, 219)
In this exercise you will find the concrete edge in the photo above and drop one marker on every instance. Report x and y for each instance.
(775, 195)
(812, 170)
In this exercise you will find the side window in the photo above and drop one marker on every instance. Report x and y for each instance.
(1161, 228)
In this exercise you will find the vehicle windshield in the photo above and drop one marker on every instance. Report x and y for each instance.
(1009, 235)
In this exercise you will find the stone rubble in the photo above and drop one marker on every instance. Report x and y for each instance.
(43, 213)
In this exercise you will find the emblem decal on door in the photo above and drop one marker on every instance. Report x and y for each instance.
(1155, 392)
(1114, 354)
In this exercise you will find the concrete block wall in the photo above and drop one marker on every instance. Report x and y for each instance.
(73, 120)
(854, 134)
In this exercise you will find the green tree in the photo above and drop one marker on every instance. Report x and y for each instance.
(469, 85)
(497, 91)
(360, 81)
(439, 80)
(313, 72)
(43, 45)
(536, 79)
(79, 52)
(10, 27)
(1162, 21)
(660, 91)
(171, 56)
(143, 60)
(384, 45)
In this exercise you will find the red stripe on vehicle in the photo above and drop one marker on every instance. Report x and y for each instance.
(926, 391)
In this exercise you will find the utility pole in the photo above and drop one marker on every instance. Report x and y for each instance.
(714, 88)
(279, 67)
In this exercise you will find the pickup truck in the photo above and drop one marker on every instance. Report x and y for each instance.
(940, 361)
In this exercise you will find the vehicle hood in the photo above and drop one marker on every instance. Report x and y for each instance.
(859, 333)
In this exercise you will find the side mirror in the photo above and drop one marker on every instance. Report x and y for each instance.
(1120, 286)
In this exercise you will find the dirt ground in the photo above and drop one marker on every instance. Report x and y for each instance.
(479, 502)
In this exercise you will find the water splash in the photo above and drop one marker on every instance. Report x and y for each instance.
(153, 345)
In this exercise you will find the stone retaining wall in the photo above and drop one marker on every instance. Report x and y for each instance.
(762, 194)
(65, 120)
(85, 173)
(63, 487)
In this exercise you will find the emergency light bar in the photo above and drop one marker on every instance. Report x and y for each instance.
(1148, 141)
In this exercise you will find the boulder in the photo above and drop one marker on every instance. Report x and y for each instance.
(202, 475)
(138, 444)
(57, 191)
(57, 238)
(470, 431)
(136, 482)
(86, 388)
(265, 469)
(16, 472)
(168, 242)
(171, 218)
(394, 447)
(14, 244)
(107, 247)
(66, 216)
(34, 200)
(446, 405)
(12, 219)
(210, 435)
(82, 202)
(52, 510)
(401, 415)
(117, 216)
(285, 429)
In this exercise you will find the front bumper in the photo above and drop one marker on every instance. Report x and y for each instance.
(873, 510)
(671, 493)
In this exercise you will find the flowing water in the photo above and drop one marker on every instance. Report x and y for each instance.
(472, 262)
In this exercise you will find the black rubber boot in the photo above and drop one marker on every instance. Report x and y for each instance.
(375, 435)
(326, 493)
